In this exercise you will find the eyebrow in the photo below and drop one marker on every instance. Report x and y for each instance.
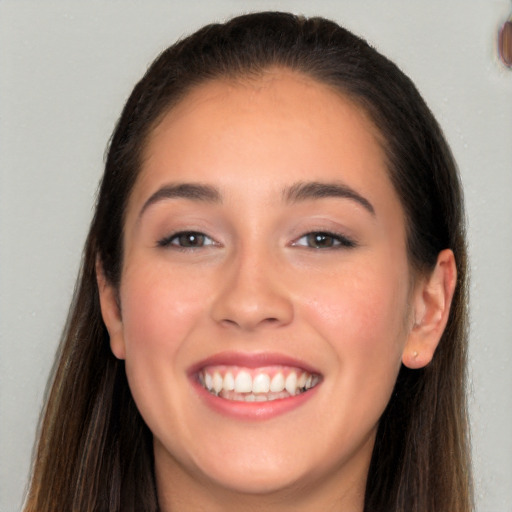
(192, 191)
(304, 191)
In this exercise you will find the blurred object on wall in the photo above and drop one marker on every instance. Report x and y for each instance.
(505, 43)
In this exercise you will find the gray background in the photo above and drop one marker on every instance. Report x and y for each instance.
(65, 70)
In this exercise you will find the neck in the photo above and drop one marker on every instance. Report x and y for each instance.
(292, 500)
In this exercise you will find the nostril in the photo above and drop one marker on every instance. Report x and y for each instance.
(228, 322)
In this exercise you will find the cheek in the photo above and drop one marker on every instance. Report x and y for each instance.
(159, 308)
(159, 311)
(362, 314)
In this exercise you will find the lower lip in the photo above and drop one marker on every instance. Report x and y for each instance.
(253, 410)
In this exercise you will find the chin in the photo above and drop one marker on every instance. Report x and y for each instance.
(267, 480)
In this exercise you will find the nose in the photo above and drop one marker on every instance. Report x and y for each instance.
(253, 294)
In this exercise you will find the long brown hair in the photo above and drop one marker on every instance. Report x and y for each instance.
(95, 451)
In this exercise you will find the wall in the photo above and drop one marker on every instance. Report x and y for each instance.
(65, 70)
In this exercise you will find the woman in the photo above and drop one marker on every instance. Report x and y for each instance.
(271, 313)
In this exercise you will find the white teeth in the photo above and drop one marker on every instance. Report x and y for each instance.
(277, 383)
(243, 382)
(261, 388)
(208, 381)
(217, 382)
(229, 382)
(261, 383)
(291, 383)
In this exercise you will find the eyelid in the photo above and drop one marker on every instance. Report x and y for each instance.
(341, 241)
(338, 240)
(167, 241)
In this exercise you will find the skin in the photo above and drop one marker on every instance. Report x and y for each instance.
(352, 313)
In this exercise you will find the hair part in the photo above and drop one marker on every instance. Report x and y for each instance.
(420, 462)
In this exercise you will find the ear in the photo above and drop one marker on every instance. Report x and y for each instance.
(110, 312)
(431, 307)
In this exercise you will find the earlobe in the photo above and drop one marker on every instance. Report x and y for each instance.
(431, 308)
(110, 312)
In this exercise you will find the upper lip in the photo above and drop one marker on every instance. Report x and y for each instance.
(251, 360)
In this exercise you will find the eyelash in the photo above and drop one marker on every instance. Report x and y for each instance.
(336, 240)
(168, 240)
(333, 240)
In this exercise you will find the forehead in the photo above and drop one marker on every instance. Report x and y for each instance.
(281, 126)
(276, 91)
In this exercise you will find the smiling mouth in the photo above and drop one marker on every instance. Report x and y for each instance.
(256, 384)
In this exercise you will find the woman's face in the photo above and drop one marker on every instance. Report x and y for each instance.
(265, 287)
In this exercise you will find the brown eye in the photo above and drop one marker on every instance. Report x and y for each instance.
(324, 240)
(190, 240)
(186, 240)
(320, 240)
